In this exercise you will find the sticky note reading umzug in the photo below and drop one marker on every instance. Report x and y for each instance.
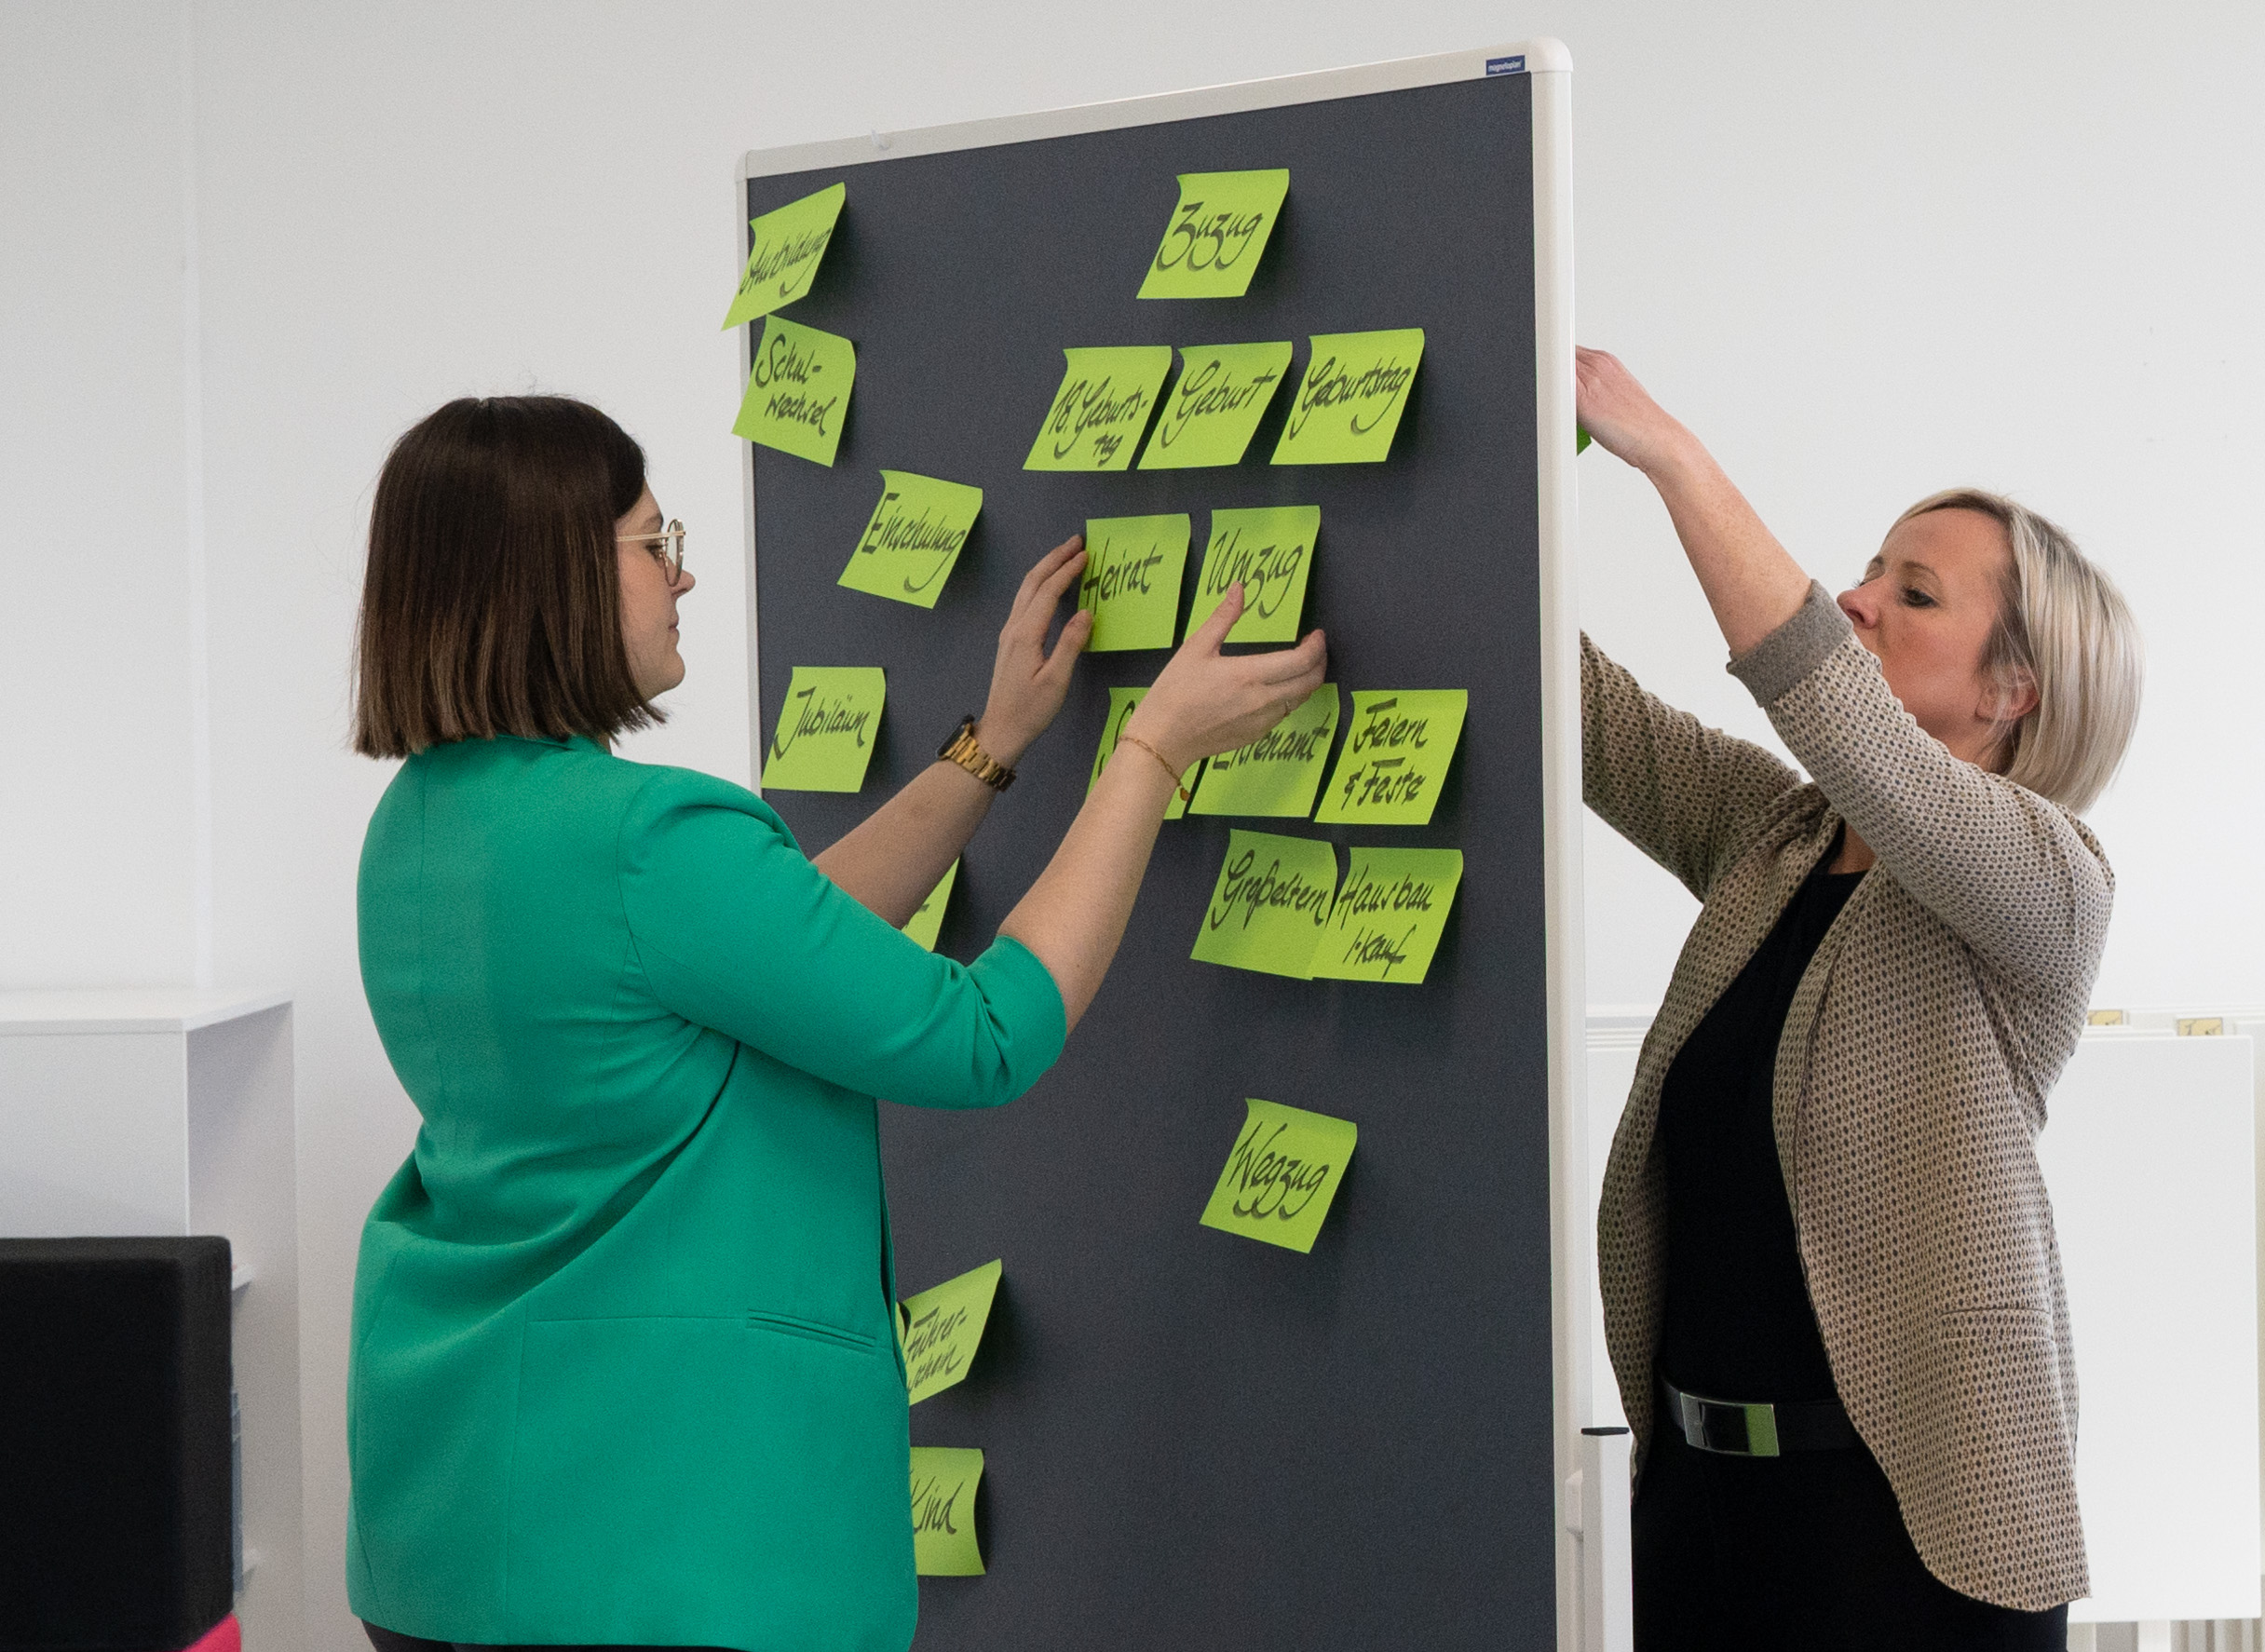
(912, 543)
(799, 391)
(1389, 913)
(1348, 404)
(1131, 579)
(1122, 701)
(1271, 551)
(1279, 772)
(925, 923)
(785, 248)
(1282, 1175)
(1397, 749)
(1102, 406)
(1218, 233)
(942, 1328)
(1221, 394)
(1268, 907)
(944, 1482)
(826, 729)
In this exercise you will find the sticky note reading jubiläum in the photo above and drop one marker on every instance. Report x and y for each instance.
(1131, 579)
(1271, 551)
(1279, 772)
(826, 729)
(944, 1482)
(1221, 394)
(785, 248)
(942, 1328)
(912, 543)
(1348, 404)
(1218, 233)
(1389, 913)
(1268, 907)
(1122, 701)
(1397, 749)
(1280, 1177)
(799, 391)
(1102, 406)
(928, 922)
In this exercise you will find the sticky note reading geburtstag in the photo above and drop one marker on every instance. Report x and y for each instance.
(928, 922)
(798, 393)
(1131, 579)
(1279, 772)
(1267, 911)
(1348, 404)
(1122, 701)
(912, 543)
(1397, 748)
(826, 729)
(784, 249)
(941, 1329)
(1216, 235)
(1389, 913)
(1221, 394)
(1282, 1175)
(1102, 408)
(944, 1482)
(1271, 551)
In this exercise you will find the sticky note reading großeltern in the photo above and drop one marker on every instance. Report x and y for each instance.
(942, 1327)
(783, 252)
(1102, 406)
(1271, 551)
(798, 393)
(1122, 701)
(1221, 394)
(944, 1481)
(1131, 579)
(1279, 772)
(1348, 404)
(912, 543)
(826, 729)
(925, 923)
(1389, 913)
(1397, 748)
(1218, 233)
(1267, 908)
(1285, 1170)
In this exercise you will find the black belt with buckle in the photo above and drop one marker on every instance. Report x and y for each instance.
(1733, 1429)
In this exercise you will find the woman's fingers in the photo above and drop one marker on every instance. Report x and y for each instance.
(1062, 660)
(1310, 656)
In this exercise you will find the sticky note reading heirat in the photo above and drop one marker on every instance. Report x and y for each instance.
(1131, 579)
(944, 1481)
(1279, 772)
(941, 1329)
(1282, 1176)
(826, 728)
(1122, 701)
(912, 543)
(1397, 749)
(1218, 233)
(1222, 393)
(1269, 905)
(799, 391)
(784, 251)
(1348, 404)
(1271, 551)
(1102, 406)
(925, 924)
(1389, 913)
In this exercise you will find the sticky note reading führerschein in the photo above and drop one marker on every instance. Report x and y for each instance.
(1221, 394)
(1397, 748)
(1389, 915)
(942, 1327)
(1348, 404)
(944, 1481)
(1216, 235)
(784, 249)
(1122, 701)
(799, 391)
(924, 925)
(1271, 551)
(826, 729)
(909, 547)
(1279, 772)
(1131, 579)
(1268, 907)
(1280, 1177)
(1102, 406)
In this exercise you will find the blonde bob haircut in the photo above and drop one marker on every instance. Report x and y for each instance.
(2063, 626)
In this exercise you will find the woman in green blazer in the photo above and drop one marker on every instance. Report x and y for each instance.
(624, 1368)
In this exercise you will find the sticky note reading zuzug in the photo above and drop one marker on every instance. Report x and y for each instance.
(941, 1329)
(1132, 581)
(1397, 748)
(1216, 235)
(912, 541)
(799, 394)
(927, 922)
(944, 1482)
(1349, 401)
(1270, 551)
(1122, 701)
(1102, 406)
(1389, 913)
(1215, 404)
(826, 729)
(783, 252)
(1282, 1175)
(1267, 911)
(1279, 772)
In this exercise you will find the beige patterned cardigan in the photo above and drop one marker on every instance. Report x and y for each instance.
(1911, 1077)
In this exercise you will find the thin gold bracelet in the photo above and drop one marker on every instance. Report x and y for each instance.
(1144, 745)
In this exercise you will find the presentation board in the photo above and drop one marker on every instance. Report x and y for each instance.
(1191, 1438)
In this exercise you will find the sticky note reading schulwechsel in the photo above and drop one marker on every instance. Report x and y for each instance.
(1268, 907)
(1271, 551)
(944, 1482)
(1348, 404)
(826, 728)
(1389, 915)
(1102, 406)
(1282, 1175)
(784, 250)
(942, 1328)
(1222, 393)
(799, 392)
(925, 924)
(1218, 233)
(1131, 579)
(1397, 749)
(1122, 701)
(1279, 772)
(912, 543)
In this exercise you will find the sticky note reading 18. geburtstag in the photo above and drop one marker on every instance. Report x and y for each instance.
(1222, 393)
(798, 393)
(1348, 404)
(1102, 408)
(926, 923)
(1282, 1175)
(1397, 748)
(944, 1482)
(1389, 913)
(826, 729)
(1279, 772)
(1131, 579)
(783, 253)
(1267, 908)
(1122, 701)
(912, 543)
(942, 1328)
(1218, 233)
(1270, 551)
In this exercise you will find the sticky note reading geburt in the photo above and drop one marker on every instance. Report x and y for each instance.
(1131, 579)
(784, 248)
(1389, 915)
(1279, 772)
(1221, 394)
(1102, 408)
(1216, 235)
(1122, 701)
(911, 545)
(1271, 551)
(798, 393)
(1267, 911)
(944, 1482)
(1282, 1175)
(825, 731)
(941, 1329)
(1348, 404)
(1397, 749)
(925, 923)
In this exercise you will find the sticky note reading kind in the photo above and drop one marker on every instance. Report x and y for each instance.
(944, 1481)
(1271, 900)
(1279, 772)
(1101, 409)
(1397, 749)
(1122, 701)
(1131, 579)
(912, 543)
(1282, 1176)
(941, 1329)
(1218, 233)
(1389, 915)
(826, 728)
(925, 924)
(799, 391)
(1271, 551)
(1222, 393)
(786, 249)
(1348, 404)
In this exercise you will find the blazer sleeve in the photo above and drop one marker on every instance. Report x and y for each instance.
(737, 930)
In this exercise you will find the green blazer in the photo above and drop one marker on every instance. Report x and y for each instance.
(624, 1365)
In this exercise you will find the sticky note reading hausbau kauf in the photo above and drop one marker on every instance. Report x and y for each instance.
(826, 728)
(1348, 404)
(944, 1481)
(1221, 394)
(1280, 1177)
(1279, 772)
(1271, 551)
(1122, 701)
(799, 392)
(1131, 579)
(912, 543)
(783, 254)
(1268, 907)
(1389, 913)
(1102, 406)
(1397, 749)
(1218, 233)
(942, 1328)
(925, 924)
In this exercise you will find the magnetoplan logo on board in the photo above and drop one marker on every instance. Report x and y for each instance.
(1507, 65)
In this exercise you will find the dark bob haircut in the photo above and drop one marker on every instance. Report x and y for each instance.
(492, 602)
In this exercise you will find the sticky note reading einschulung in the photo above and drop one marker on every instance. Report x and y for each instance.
(1268, 907)
(785, 248)
(826, 728)
(1218, 233)
(1348, 404)
(942, 1328)
(1271, 551)
(1282, 1175)
(1102, 406)
(1389, 913)
(1221, 394)
(1122, 701)
(1279, 772)
(912, 543)
(1131, 579)
(799, 391)
(944, 1482)
(925, 924)
(1397, 748)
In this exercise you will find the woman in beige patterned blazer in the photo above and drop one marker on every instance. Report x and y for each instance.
(1832, 1296)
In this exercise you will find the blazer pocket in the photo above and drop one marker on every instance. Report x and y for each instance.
(811, 1329)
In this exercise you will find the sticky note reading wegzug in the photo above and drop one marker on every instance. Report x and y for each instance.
(1131, 579)
(944, 1482)
(1279, 772)
(798, 393)
(1216, 235)
(1267, 911)
(784, 249)
(1215, 404)
(1102, 408)
(1271, 551)
(942, 1328)
(928, 922)
(1122, 701)
(1282, 1175)
(1348, 404)
(825, 731)
(1397, 748)
(1389, 913)
(912, 543)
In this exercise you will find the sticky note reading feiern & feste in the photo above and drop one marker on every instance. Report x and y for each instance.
(1267, 911)
(825, 731)
(1282, 1175)
(1389, 913)
(942, 1327)
(1398, 745)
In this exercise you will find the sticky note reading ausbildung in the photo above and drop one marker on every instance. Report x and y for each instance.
(912, 543)
(1267, 908)
(1216, 235)
(1270, 551)
(826, 729)
(1349, 401)
(1122, 701)
(784, 249)
(1102, 408)
(798, 393)
(1279, 772)
(1215, 404)
(941, 1329)
(1131, 579)
(1389, 915)
(944, 1482)
(928, 922)
(1397, 748)
(1282, 1175)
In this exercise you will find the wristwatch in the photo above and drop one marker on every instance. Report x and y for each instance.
(961, 749)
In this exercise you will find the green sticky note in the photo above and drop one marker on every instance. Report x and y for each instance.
(1271, 551)
(1389, 915)
(1280, 1177)
(1580, 441)
(924, 923)
(1397, 748)
(1267, 910)
(1348, 404)
(1222, 393)
(799, 392)
(1279, 772)
(945, 1479)
(784, 254)
(909, 547)
(941, 1328)
(1216, 235)
(826, 729)
(1102, 406)
(1122, 701)
(1131, 579)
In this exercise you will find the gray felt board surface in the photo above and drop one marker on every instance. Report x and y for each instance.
(1193, 1439)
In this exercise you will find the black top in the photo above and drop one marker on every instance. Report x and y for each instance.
(1738, 1324)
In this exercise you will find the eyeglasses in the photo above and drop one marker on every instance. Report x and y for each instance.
(668, 544)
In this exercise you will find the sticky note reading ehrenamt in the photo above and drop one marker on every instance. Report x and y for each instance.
(825, 732)
(1282, 1175)
(1348, 404)
(925, 924)
(1389, 913)
(1271, 551)
(798, 393)
(1279, 772)
(942, 1328)
(1397, 748)
(1122, 701)
(1102, 406)
(1218, 233)
(1222, 393)
(783, 254)
(912, 543)
(944, 1481)
(1269, 905)
(1131, 579)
